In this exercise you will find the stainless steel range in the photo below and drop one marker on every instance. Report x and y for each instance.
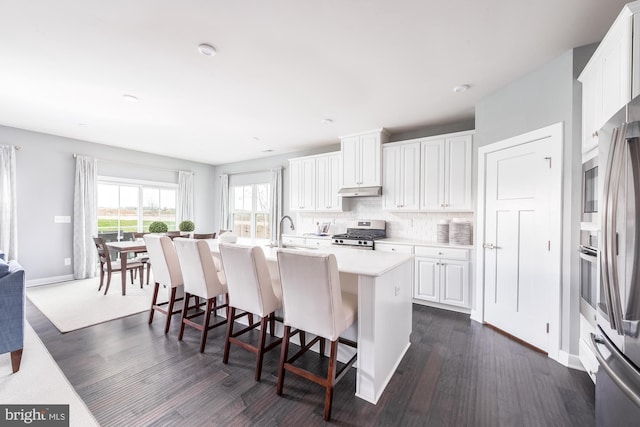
(361, 234)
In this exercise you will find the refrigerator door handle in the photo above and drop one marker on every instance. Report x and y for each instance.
(624, 387)
(607, 231)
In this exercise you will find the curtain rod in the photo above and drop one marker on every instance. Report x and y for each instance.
(253, 171)
(75, 156)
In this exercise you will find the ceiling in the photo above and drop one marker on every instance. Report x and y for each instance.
(282, 66)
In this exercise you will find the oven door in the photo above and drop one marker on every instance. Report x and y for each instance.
(589, 275)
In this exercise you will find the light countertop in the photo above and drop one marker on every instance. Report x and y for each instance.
(354, 261)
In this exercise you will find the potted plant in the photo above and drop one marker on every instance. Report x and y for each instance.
(158, 227)
(187, 226)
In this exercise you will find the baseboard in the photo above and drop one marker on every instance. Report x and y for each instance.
(49, 280)
(570, 360)
(442, 306)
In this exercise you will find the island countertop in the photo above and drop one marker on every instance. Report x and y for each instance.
(354, 261)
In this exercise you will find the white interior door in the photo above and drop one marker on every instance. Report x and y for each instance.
(518, 267)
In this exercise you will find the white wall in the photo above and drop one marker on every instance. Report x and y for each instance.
(45, 179)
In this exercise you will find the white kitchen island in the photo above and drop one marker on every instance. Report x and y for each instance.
(383, 283)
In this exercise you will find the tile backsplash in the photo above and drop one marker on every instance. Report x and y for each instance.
(400, 225)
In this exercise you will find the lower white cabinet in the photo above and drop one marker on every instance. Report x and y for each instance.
(310, 241)
(442, 279)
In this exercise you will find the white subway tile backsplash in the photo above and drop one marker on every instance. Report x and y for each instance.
(400, 225)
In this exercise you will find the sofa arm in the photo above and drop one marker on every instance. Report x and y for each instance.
(12, 309)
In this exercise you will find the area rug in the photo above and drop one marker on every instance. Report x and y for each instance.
(40, 382)
(78, 304)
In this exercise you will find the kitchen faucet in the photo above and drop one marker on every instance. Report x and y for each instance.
(280, 229)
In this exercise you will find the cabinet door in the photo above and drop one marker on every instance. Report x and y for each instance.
(432, 178)
(302, 184)
(391, 178)
(427, 284)
(616, 69)
(454, 283)
(410, 176)
(351, 161)
(457, 181)
(328, 169)
(591, 92)
(370, 165)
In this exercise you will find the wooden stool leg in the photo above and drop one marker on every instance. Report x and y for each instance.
(261, 340)
(153, 302)
(227, 343)
(331, 376)
(272, 324)
(283, 359)
(185, 308)
(172, 301)
(205, 325)
(322, 346)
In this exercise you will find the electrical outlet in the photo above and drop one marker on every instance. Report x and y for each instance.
(67, 261)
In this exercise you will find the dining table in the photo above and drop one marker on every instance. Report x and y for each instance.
(124, 248)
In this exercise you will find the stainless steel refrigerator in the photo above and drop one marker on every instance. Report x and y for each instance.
(617, 341)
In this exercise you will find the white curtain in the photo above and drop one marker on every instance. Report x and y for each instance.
(8, 202)
(275, 202)
(224, 202)
(85, 218)
(184, 208)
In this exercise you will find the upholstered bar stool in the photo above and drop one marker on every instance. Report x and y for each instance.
(312, 301)
(203, 280)
(251, 290)
(166, 272)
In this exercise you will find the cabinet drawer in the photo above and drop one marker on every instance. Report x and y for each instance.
(318, 242)
(293, 240)
(449, 253)
(387, 247)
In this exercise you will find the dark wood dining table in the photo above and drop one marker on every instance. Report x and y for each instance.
(124, 248)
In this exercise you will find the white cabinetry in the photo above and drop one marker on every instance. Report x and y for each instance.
(302, 184)
(607, 79)
(361, 159)
(401, 176)
(314, 183)
(442, 276)
(445, 182)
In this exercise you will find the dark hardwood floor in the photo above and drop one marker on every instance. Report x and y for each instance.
(456, 373)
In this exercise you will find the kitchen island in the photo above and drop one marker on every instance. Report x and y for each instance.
(383, 284)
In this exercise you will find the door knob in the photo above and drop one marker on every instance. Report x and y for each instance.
(488, 246)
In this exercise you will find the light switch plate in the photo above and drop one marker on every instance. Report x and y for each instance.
(62, 219)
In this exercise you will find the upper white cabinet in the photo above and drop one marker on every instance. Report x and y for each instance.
(361, 159)
(328, 178)
(445, 182)
(302, 179)
(607, 79)
(401, 176)
(314, 182)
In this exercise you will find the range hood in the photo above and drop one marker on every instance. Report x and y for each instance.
(360, 191)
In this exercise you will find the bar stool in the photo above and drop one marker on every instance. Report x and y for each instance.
(252, 290)
(312, 301)
(166, 271)
(201, 280)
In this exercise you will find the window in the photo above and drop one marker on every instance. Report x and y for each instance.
(250, 210)
(125, 207)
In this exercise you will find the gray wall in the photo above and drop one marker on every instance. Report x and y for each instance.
(546, 96)
(45, 180)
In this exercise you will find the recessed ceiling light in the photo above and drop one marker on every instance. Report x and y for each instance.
(268, 151)
(461, 88)
(207, 49)
(130, 98)
(255, 138)
(82, 124)
(327, 121)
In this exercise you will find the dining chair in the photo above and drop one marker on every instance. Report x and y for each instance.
(252, 290)
(108, 266)
(204, 235)
(201, 280)
(143, 257)
(166, 272)
(174, 234)
(312, 301)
